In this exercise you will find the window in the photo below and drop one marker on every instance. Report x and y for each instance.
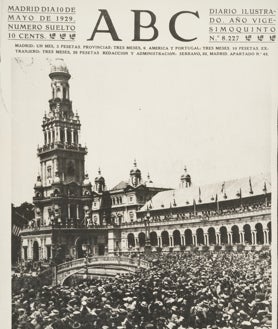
(48, 252)
(25, 252)
(131, 215)
(49, 173)
(130, 199)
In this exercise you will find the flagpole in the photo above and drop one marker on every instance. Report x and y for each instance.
(194, 207)
(217, 203)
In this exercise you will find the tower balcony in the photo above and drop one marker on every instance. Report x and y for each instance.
(61, 146)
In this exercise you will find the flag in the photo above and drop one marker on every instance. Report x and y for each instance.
(194, 206)
(265, 189)
(223, 187)
(200, 200)
(16, 230)
(250, 185)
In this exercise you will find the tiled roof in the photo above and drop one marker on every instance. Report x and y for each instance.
(207, 193)
(122, 185)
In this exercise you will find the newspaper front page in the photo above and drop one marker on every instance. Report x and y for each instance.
(138, 146)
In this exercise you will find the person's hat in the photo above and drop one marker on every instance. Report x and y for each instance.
(246, 324)
(144, 304)
(76, 325)
(76, 313)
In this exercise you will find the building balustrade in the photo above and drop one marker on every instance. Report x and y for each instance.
(60, 145)
(77, 224)
(199, 218)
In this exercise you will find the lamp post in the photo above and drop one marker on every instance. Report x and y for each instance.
(147, 229)
(85, 248)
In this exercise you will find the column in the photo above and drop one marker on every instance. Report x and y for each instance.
(30, 249)
(22, 252)
(218, 238)
(182, 240)
(230, 238)
(266, 239)
(55, 134)
(68, 210)
(159, 240)
(171, 240)
(206, 239)
(77, 211)
(241, 237)
(59, 133)
(47, 136)
(254, 236)
(72, 136)
(66, 135)
(194, 239)
(78, 136)
(111, 239)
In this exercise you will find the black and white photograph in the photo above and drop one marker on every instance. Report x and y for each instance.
(142, 171)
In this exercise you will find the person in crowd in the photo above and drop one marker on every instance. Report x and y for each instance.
(179, 291)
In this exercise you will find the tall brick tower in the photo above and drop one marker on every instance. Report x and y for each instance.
(61, 198)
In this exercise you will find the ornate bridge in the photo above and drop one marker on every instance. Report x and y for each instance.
(97, 266)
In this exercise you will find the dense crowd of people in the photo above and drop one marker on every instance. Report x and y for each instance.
(210, 290)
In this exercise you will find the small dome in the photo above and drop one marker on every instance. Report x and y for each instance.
(99, 178)
(135, 170)
(86, 181)
(59, 67)
(38, 182)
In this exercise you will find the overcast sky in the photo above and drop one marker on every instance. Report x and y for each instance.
(212, 115)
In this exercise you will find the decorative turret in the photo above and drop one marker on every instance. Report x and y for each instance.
(135, 175)
(149, 182)
(99, 182)
(185, 179)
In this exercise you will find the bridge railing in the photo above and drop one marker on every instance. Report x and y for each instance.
(99, 259)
